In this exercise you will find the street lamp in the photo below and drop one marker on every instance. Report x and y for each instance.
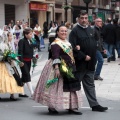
(87, 2)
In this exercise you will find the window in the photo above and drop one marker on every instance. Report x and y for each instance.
(9, 13)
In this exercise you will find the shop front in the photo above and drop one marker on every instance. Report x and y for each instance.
(37, 13)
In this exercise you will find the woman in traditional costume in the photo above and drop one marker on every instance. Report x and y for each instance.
(57, 87)
(8, 83)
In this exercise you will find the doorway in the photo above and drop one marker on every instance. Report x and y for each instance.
(33, 18)
(58, 17)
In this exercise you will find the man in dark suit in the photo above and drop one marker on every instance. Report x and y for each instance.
(25, 50)
(109, 38)
(85, 58)
(100, 48)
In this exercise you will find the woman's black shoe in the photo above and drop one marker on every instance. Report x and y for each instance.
(52, 111)
(13, 99)
(20, 95)
(74, 111)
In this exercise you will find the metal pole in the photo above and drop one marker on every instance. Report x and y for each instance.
(53, 12)
(66, 11)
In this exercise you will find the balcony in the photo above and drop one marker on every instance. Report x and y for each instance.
(62, 1)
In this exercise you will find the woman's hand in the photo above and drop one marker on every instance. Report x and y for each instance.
(21, 64)
(57, 72)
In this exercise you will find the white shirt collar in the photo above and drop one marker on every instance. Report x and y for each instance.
(82, 26)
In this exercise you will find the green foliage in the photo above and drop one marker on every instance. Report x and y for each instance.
(67, 7)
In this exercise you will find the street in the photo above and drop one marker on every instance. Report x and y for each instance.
(108, 94)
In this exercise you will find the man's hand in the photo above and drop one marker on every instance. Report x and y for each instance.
(105, 51)
(87, 58)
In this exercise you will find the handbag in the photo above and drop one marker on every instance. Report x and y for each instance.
(17, 77)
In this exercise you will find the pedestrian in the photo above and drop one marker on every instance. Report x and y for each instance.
(68, 25)
(76, 22)
(25, 50)
(100, 48)
(85, 58)
(45, 30)
(109, 38)
(51, 36)
(63, 90)
(117, 39)
(8, 83)
(37, 30)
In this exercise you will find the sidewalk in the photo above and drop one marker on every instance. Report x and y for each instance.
(109, 88)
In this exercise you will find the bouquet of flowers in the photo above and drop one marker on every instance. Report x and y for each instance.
(8, 55)
(35, 59)
(66, 70)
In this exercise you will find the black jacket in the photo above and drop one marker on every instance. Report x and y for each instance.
(85, 39)
(117, 30)
(25, 49)
(99, 38)
(109, 34)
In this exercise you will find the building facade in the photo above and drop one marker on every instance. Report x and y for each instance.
(97, 8)
(31, 11)
(13, 10)
(39, 11)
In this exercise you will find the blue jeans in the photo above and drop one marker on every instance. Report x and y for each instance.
(109, 48)
(99, 63)
(118, 47)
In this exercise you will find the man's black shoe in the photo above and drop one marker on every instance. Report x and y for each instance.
(99, 78)
(99, 108)
(112, 59)
(95, 78)
(109, 59)
(20, 95)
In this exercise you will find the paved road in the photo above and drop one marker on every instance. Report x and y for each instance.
(108, 94)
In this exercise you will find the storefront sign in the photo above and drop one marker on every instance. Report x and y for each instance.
(38, 6)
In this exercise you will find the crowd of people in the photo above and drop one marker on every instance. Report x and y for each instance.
(75, 58)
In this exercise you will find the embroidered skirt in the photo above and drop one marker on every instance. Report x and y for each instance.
(54, 96)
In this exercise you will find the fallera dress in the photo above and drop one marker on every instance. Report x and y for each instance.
(54, 96)
(8, 83)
